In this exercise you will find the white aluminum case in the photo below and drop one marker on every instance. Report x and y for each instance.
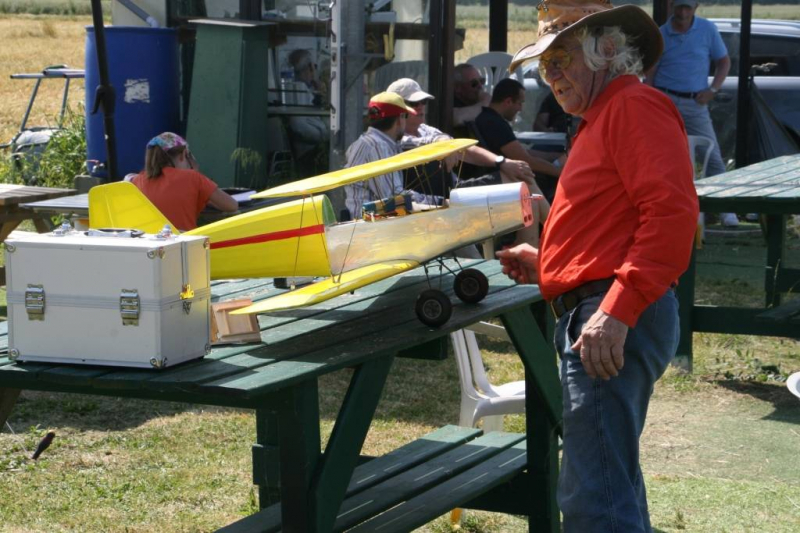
(73, 298)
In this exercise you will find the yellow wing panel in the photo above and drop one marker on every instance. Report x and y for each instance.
(331, 180)
(122, 205)
(329, 288)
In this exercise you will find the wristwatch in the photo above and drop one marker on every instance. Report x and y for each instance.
(499, 160)
(713, 90)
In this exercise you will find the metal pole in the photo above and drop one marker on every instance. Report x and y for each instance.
(660, 11)
(104, 94)
(743, 93)
(441, 51)
(498, 25)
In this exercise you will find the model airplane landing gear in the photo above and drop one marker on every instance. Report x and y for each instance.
(433, 307)
(471, 286)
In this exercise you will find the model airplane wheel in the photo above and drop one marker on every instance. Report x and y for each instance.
(471, 286)
(433, 307)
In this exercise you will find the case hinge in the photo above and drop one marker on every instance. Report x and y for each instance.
(34, 302)
(129, 307)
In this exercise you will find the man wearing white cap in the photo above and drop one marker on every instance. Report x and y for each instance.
(619, 234)
(690, 44)
(417, 133)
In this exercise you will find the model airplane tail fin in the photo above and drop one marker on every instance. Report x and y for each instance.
(122, 205)
(287, 239)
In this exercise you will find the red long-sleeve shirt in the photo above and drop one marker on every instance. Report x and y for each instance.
(625, 205)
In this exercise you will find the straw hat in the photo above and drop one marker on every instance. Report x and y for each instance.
(558, 19)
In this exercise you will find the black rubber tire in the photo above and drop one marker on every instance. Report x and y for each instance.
(433, 308)
(471, 286)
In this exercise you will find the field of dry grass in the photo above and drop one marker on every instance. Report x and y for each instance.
(31, 43)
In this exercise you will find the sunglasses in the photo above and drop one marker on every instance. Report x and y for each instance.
(416, 105)
(558, 59)
(477, 82)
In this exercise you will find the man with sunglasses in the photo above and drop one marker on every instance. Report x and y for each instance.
(619, 234)
(469, 95)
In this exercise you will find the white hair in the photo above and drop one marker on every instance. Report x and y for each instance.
(611, 49)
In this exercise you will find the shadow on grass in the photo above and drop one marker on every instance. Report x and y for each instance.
(784, 403)
(85, 412)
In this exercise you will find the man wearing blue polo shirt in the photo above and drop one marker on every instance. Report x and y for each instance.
(690, 43)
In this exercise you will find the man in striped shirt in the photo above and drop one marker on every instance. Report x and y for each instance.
(387, 118)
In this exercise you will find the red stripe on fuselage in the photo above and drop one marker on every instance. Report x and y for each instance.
(267, 237)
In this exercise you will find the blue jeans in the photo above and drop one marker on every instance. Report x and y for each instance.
(600, 487)
(697, 120)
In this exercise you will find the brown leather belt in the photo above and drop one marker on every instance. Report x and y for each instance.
(570, 299)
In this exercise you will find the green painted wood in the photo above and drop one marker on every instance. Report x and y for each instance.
(8, 398)
(372, 473)
(417, 480)
(347, 438)
(542, 395)
(266, 458)
(788, 312)
(423, 508)
(299, 441)
(512, 497)
(776, 237)
(685, 294)
(539, 359)
(739, 320)
(361, 347)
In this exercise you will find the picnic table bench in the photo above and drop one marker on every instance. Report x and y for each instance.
(770, 188)
(303, 488)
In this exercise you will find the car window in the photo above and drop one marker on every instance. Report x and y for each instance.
(782, 50)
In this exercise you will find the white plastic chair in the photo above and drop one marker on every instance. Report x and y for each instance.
(793, 384)
(494, 67)
(479, 398)
(707, 146)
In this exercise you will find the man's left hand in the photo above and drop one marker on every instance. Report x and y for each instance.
(600, 344)
(704, 97)
(516, 170)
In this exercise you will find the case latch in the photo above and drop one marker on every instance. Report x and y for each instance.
(129, 307)
(34, 302)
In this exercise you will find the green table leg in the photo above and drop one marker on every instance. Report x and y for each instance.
(685, 294)
(776, 237)
(313, 484)
(543, 408)
(266, 459)
(8, 397)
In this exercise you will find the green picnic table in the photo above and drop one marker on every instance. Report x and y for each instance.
(771, 188)
(303, 488)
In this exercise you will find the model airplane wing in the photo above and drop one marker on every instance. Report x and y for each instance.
(329, 287)
(417, 156)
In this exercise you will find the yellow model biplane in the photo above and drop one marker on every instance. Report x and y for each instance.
(302, 237)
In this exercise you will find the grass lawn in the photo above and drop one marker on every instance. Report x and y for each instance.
(719, 451)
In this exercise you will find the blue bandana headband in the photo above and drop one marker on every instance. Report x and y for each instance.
(167, 141)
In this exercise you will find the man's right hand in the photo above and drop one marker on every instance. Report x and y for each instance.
(519, 263)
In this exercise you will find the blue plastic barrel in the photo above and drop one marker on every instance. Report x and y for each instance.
(143, 69)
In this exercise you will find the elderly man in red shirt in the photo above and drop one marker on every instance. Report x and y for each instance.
(618, 236)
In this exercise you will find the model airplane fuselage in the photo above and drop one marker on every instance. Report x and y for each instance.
(303, 238)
